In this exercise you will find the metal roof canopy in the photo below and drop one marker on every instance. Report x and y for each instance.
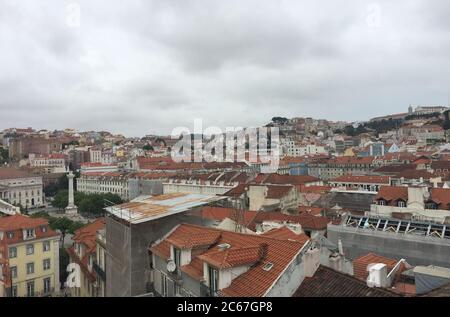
(399, 226)
(146, 208)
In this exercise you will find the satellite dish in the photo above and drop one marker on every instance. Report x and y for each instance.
(171, 266)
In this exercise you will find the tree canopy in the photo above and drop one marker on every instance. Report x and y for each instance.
(280, 120)
(88, 204)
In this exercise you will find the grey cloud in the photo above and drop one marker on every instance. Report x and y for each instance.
(149, 66)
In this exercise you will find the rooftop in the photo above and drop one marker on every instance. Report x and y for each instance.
(254, 251)
(327, 282)
(146, 208)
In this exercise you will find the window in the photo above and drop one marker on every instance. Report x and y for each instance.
(177, 257)
(430, 205)
(30, 268)
(47, 285)
(30, 249)
(10, 235)
(30, 289)
(46, 264)
(30, 234)
(14, 291)
(46, 246)
(12, 252)
(213, 280)
(401, 203)
(382, 202)
(13, 271)
(44, 229)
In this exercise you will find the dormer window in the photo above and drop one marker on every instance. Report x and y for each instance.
(382, 202)
(44, 229)
(401, 204)
(29, 234)
(10, 234)
(177, 257)
(213, 279)
(267, 267)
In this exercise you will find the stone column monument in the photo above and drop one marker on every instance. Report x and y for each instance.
(71, 208)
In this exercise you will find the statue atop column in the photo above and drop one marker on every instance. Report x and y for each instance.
(71, 208)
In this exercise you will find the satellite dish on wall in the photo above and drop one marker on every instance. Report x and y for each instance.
(171, 266)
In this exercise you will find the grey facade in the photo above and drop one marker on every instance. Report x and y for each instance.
(129, 261)
(417, 250)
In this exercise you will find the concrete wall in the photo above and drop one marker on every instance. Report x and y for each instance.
(291, 279)
(415, 249)
(139, 187)
(128, 270)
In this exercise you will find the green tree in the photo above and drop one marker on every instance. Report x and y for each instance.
(446, 123)
(4, 156)
(147, 147)
(61, 199)
(88, 204)
(64, 261)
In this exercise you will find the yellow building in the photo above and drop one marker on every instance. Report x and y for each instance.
(350, 152)
(29, 257)
(84, 254)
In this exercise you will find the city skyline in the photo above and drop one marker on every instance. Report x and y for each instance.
(150, 67)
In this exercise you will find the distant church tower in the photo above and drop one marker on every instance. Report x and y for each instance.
(410, 109)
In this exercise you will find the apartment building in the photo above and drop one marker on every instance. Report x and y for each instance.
(29, 257)
(413, 202)
(370, 183)
(100, 263)
(334, 167)
(84, 254)
(20, 187)
(127, 185)
(49, 164)
(197, 261)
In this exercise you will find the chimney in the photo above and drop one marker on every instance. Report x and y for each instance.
(377, 275)
(416, 197)
(311, 261)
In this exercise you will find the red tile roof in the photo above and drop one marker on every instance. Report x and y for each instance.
(17, 223)
(251, 218)
(278, 191)
(162, 249)
(315, 211)
(186, 237)
(13, 173)
(194, 269)
(441, 196)
(327, 282)
(284, 179)
(361, 263)
(284, 233)
(88, 234)
(233, 257)
(392, 194)
(253, 251)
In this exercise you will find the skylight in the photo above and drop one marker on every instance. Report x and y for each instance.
(268, 266)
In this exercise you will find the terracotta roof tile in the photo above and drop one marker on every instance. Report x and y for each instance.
(244, 249)
(392, 193)
(441, 196)
(327, 282)
(361, 263)
(284, 233)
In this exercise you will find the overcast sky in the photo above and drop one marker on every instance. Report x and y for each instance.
(139, 67)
